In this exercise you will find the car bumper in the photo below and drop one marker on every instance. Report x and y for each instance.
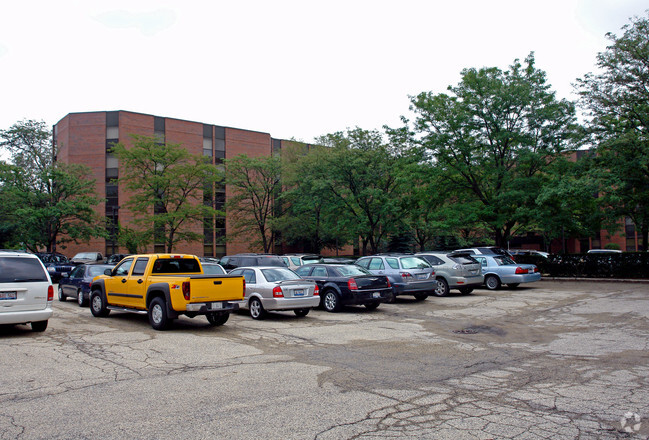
(287, 303)
(457, 282)
(518, 279)
(24, 317)
(218, 306)
(414, 287)
(359, 298)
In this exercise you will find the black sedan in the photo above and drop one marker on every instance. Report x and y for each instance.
(77, 283)
(346, 284)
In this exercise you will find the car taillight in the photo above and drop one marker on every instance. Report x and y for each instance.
(520, 270)
(388, 280)
(536, 269)
(277, 292)
(244, 287)
(406, 275)
(186, 292)
(50, 293)
(316, 292)
(351, 283)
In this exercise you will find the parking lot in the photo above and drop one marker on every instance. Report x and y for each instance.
(549, 360)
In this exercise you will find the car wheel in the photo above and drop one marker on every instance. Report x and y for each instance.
(62, 296)
(97, 305)
(420, 296)
(513, 285)
(39, 326)
(372, 305)
(256, 309)
(466, 290)
(81, 300)
(442, 287)
(492, 282)
(218, 318)
(301, 312)
(330, 301)
(158, 314)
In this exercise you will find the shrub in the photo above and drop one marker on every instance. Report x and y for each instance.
(618, 265)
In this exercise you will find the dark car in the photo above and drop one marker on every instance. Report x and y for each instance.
(230, 262)
(346, 284)
(87, 257)
(77, 283)
(116, 258)
(56, 264)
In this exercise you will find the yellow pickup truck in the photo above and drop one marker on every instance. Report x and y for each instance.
(165, 286)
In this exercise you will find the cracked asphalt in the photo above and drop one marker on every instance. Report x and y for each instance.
(551, 360)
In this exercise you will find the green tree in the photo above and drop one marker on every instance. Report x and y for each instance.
(494, 136)
(617, 102)
(166, 185)
(360, 172)
(48, 203)
(255, 184)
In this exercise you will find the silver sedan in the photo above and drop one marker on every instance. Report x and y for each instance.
(500, 269)
(277, 289)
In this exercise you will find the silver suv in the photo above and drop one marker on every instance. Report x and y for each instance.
(454, 270)
(408, 274)
(26, 291)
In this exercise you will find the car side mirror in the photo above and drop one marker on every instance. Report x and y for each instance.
(108, 272)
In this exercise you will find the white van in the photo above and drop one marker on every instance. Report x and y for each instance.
(26, 291)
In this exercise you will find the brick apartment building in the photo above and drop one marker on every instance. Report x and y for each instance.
(85, 138)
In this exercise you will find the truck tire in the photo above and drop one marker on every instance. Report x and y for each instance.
(158, 314)
(218, 318)
(98, 305)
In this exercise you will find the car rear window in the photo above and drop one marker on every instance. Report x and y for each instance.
(21, 270)
(350, 270)
(279, 274)
(176, 265)
(463, 259)
(504, 260)
(414, 263)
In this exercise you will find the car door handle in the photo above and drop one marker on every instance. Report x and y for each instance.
(140, 281)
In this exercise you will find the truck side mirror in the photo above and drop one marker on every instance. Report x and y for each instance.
(108, 272)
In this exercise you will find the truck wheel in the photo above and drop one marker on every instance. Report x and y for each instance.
(98, 305)
(158, 314)
(218, 318)
(301, 312)
(256, 309)
(39, 326)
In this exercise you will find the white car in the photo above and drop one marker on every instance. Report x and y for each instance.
(277, 288)
(26, 291)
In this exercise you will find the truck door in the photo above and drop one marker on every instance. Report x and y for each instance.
(117, 285)
(137, 285)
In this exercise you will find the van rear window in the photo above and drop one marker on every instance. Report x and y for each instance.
(21, 270)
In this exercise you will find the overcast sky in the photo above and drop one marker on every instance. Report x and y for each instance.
(289, 68)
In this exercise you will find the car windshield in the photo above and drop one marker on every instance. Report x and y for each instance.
(351, 270)
(504, 260)
(414, 263)
(279, 274)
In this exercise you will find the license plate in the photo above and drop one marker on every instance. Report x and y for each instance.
(376, 295)
(422, 276)
(8, 295)
(298, 292)
(216, 306)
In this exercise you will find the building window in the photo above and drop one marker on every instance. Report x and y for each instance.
(629, 232)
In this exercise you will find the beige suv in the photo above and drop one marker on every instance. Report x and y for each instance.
(26, 291)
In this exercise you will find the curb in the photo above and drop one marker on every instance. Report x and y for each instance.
(612, 280)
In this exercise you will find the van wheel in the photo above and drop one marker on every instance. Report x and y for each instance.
(98, 305)
(158, 314)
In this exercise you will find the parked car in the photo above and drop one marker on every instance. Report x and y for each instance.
(604, 251)
(408, 274)
(278, 289)
(77, 283)
(500, 269)
(527, 252)
(56, 264)
(346, 284)
(454, 270)
(339, 260)
(116, 258)
(88, 257)
(486, 250)
(230, 262)
(293, 261)
(26, 291)
(213, 268)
